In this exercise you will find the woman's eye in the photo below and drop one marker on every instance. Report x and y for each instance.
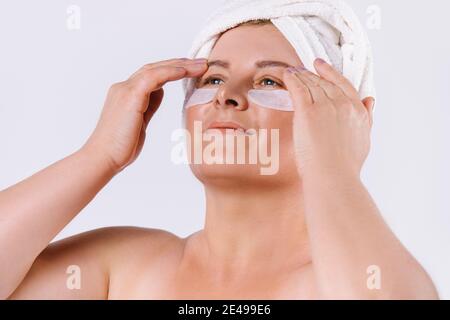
(264, 82)
(212, 81)
(270, 82)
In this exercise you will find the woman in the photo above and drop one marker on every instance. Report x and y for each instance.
(309, 231)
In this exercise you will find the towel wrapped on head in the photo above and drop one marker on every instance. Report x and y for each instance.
(327, 29)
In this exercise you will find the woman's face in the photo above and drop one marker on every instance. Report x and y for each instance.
(244, 58)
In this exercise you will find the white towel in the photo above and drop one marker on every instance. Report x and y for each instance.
(327, 29)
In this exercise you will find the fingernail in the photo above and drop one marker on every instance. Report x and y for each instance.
(320, 61)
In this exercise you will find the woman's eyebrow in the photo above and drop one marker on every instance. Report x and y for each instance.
(219, 63)
(258, 64)
(271, 63)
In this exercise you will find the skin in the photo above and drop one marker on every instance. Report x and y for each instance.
(256, 243)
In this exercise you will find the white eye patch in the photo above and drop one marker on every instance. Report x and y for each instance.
(273, 99)
(200, 96)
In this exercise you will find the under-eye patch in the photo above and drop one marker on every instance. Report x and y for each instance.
(200, 96)
(273, 99)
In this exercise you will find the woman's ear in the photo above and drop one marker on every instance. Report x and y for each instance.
(369, 103)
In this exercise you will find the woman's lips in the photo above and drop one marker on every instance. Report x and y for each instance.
(225, 125)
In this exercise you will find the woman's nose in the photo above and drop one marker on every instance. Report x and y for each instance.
(229, 97)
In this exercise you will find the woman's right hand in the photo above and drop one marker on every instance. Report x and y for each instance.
(120, 133)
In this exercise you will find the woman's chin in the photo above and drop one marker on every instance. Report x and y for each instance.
(226, 170)
(230, 175)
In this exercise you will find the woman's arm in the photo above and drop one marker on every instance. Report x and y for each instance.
(35, 210)
(348, 235)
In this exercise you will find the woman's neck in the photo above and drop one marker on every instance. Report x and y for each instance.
(246, 228)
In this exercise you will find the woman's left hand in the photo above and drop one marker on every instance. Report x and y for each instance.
(331, 124)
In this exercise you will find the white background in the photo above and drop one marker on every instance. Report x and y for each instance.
(53, 82)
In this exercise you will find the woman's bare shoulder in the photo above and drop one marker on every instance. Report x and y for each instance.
(95, 254)
(129, 232)
(125, 240)
(135, 246)
(110, 239)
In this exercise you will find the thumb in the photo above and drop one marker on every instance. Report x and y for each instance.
(156, 98)
(369, 103)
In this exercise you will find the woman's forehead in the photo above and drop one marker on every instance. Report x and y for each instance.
(254, 43)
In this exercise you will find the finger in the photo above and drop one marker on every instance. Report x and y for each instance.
(333, 92)
(329, 73)
(311, 81)
(299, 92)
(153, 79)
(177, 61)
(180, 62)
(166, 62)
(156, 98)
